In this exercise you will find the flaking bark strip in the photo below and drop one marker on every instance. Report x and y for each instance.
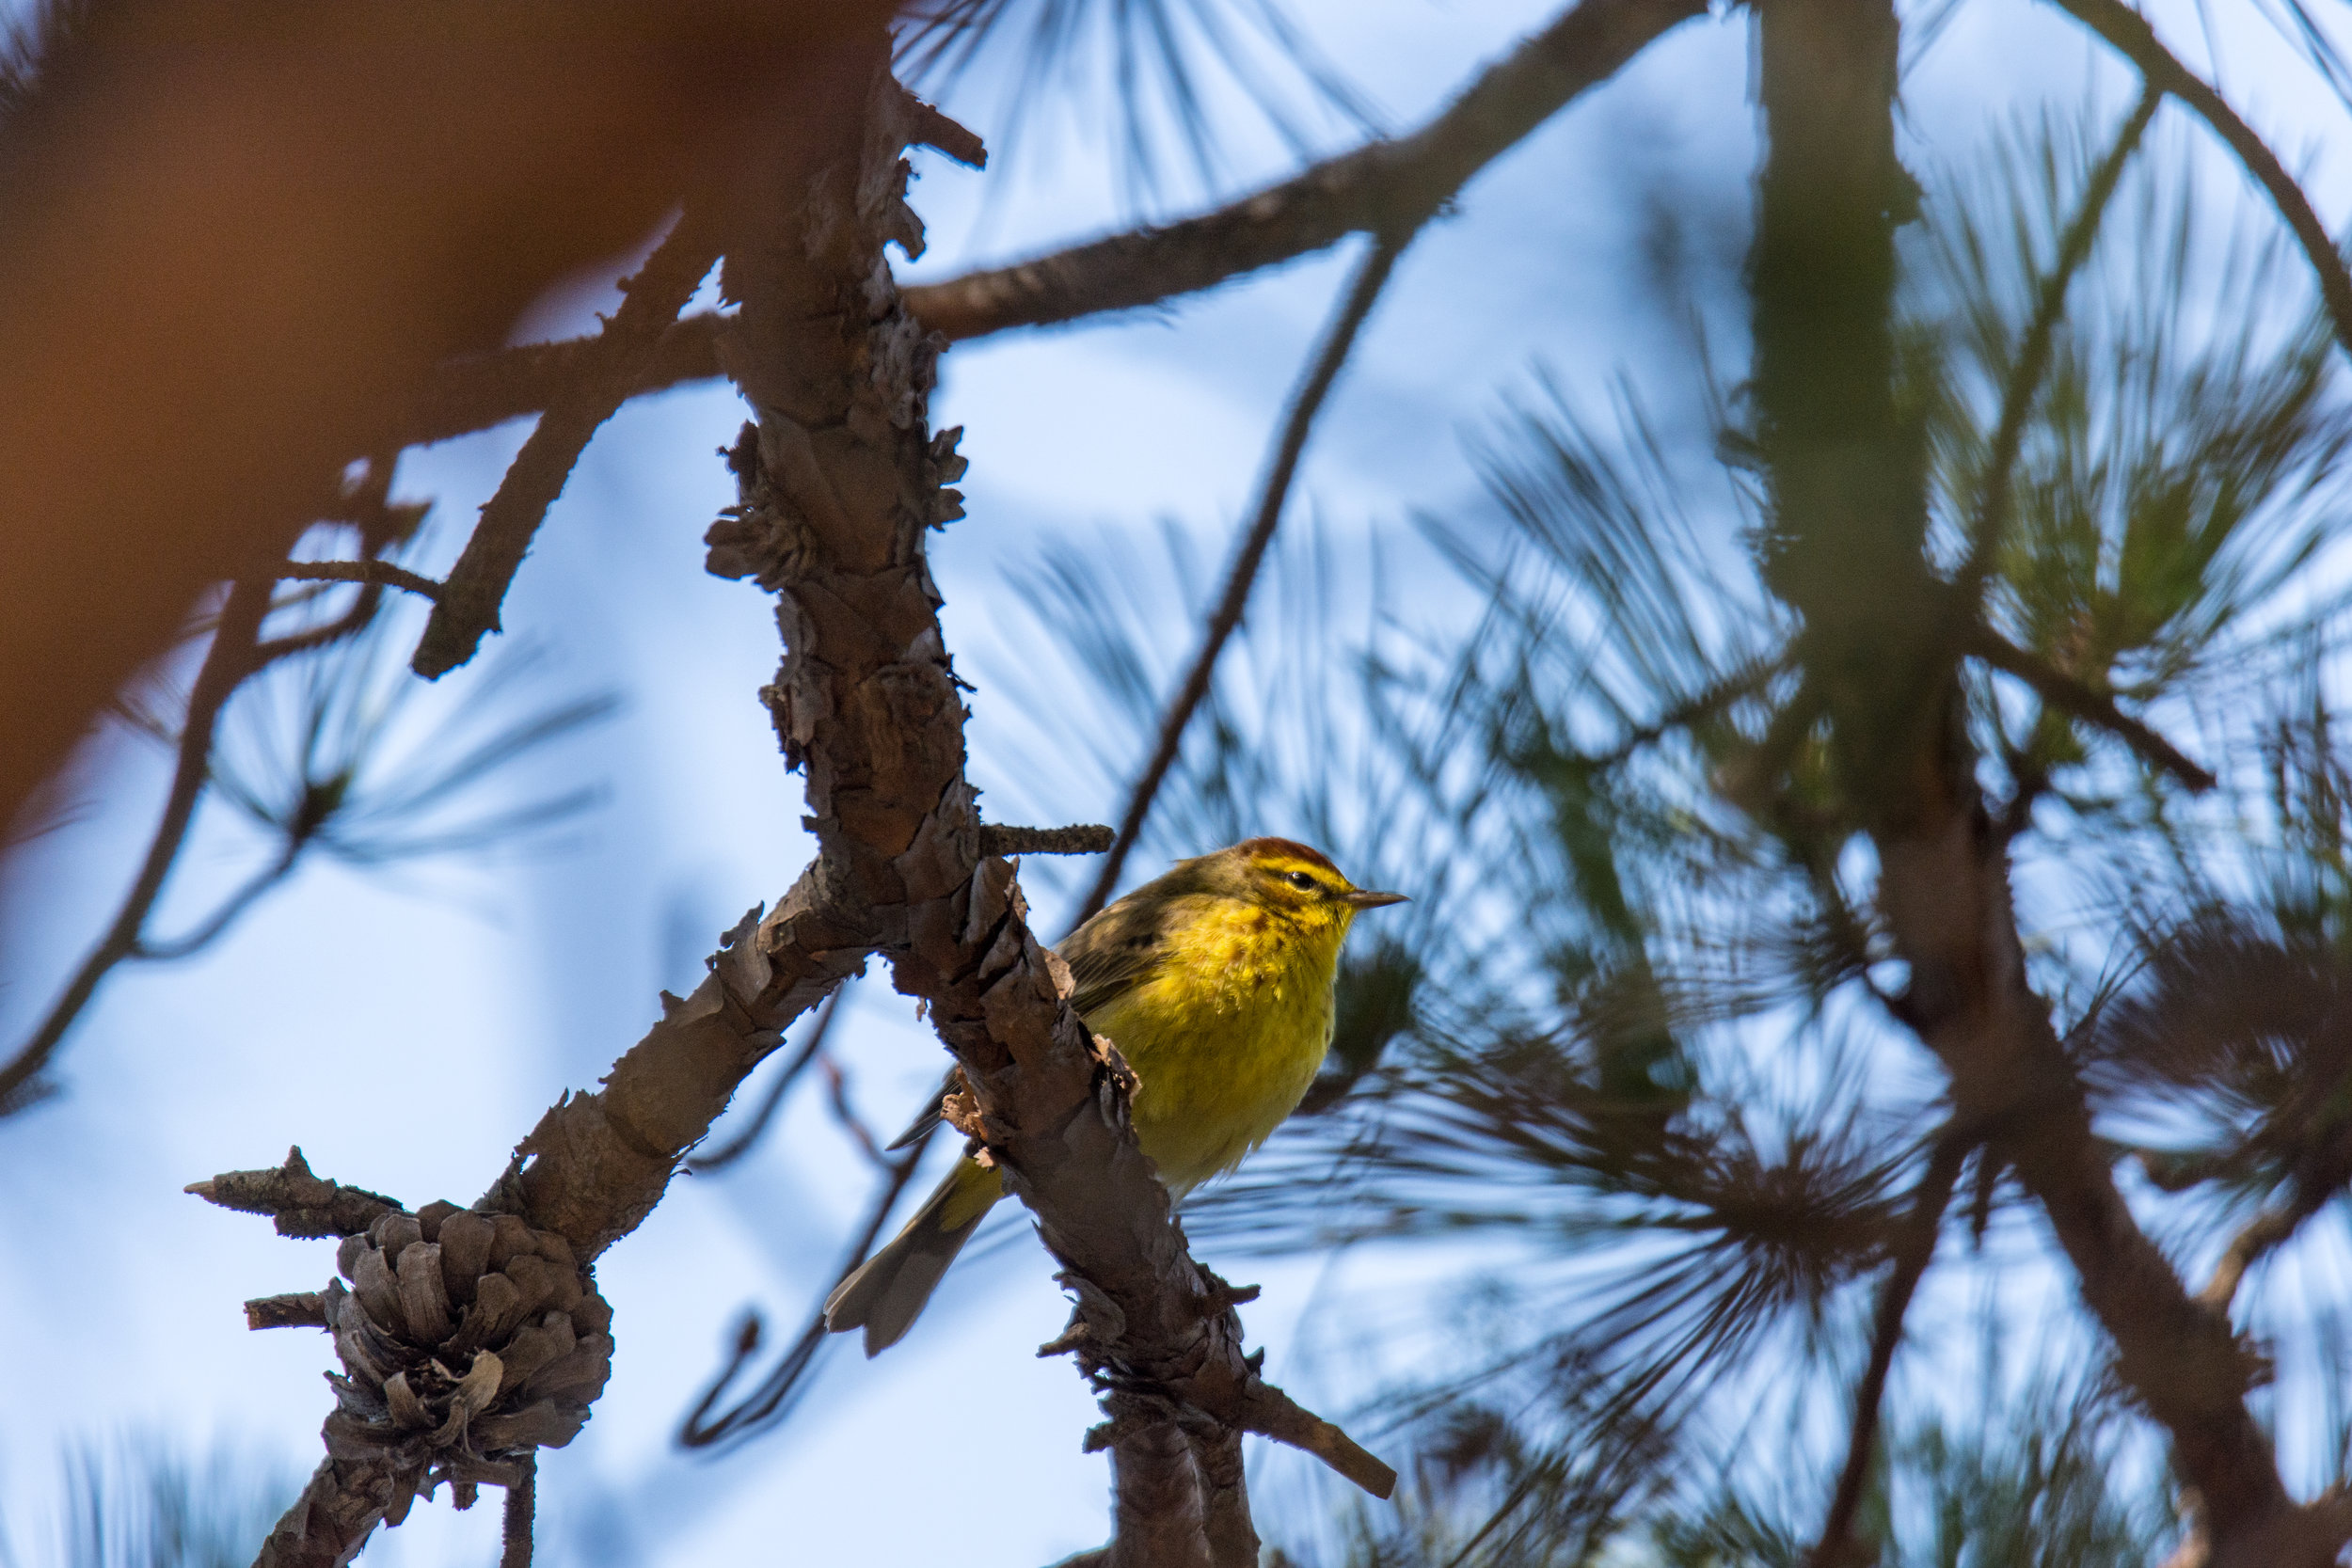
(302, 1204)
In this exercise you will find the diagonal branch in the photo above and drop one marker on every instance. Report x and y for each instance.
(2130, 35)
(2092, 706)
(1377, 188)
(606, 374)
(771, 1400)
(484, 389)
(1843, 469)
(2264, 1233)
(234, 654)
(1914, 1246)
(1297, 421)
(380, 574)
(1369, 189)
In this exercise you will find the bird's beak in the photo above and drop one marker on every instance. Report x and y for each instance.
(1365, 899)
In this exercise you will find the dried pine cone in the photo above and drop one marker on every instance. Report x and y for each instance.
(467, 1341)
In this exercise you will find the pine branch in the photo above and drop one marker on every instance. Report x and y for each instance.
(843, 471)
(1914, 1247)
(465, 608)
(1369, 189)
(1844, 479)
(1339, 340)
(1382, 187)
(234, 655)
(2092, 706)
(2128, 33)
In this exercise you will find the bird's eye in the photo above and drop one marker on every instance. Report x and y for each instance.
(1301, 880)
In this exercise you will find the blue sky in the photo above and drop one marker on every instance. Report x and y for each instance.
(493, 987)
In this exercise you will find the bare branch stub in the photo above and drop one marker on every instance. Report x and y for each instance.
(300, 1203)
(466, 608)
(1085, 838)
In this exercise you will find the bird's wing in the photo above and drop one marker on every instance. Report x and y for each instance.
(1115, 952)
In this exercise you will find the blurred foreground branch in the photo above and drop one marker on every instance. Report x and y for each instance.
(1849, 554)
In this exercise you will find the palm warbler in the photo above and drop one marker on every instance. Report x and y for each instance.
(1214, 981)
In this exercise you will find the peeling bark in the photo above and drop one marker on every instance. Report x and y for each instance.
(840, 482)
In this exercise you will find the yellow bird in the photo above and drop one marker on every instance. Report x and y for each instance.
(1214, 981)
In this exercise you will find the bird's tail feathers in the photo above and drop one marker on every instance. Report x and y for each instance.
(888, 1290)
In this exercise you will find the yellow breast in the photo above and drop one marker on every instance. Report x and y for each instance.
(1225, 1037)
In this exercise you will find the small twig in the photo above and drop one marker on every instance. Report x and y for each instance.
(379, 573)
(2093, 707)
(1330, 354)
(1913, 1248)
(2265, 1231)
(838, 1094)
(2032, 364)
(521, 1497)
(302, 1309)
(301, 1203)
(770, 1401)
(231, 656)
(1085, 838)
(742, 1143)
(2130, 35)
(1271, 1413)
(466, 607)
(172, 948)
(1718, 695)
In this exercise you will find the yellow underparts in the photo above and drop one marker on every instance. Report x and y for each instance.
(1227, 1036)
(1224, 1041)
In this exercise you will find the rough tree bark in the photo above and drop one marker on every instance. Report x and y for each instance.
(1882, 649)
(840, 483)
